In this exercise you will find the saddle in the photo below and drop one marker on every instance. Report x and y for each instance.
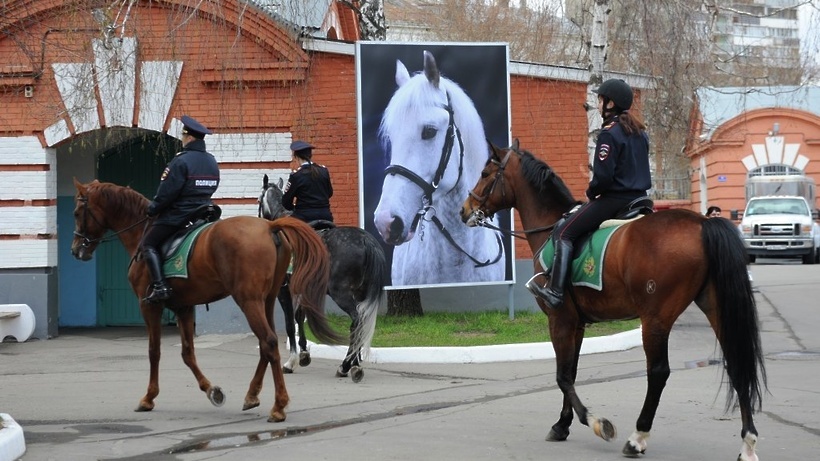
(637, 208)
(205, 214)
(321, 225)
(589, 249)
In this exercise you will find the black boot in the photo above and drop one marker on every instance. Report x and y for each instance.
(160, 289)
(553, 294)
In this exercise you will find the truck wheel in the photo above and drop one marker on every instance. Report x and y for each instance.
(810, 258)
(752, 258)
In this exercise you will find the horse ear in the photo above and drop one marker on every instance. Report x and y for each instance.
(515, 144)
(402, 76)
(265, 182)
(281, 183)
(430, 68)
(80, 186)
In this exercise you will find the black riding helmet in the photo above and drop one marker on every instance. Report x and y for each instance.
(617, 91)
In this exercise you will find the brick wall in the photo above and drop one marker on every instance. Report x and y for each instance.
(225, 83)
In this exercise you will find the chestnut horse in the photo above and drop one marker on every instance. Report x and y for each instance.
(243, 257)
(643, 277)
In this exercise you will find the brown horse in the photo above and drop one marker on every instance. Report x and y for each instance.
(243, 257)
(643, 277)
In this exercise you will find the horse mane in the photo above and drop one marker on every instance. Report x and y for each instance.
(121, 198)
(547, 184)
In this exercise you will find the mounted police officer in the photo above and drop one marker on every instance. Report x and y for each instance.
(620, 174)
(187, 183)
(309, 186)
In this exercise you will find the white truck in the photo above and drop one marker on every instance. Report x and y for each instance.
(780, 227)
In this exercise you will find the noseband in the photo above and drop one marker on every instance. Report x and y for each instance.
(429, 188)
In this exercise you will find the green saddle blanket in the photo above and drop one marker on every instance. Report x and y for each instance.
(587, 267)
(176, 264)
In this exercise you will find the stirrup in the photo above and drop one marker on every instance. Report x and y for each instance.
(159, 292)
(554, 300)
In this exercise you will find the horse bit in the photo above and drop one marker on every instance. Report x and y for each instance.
(429, 188)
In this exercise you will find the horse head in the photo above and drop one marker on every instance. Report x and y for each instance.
(89, 221)
(490, 193)
(435, 139)
(270, 201)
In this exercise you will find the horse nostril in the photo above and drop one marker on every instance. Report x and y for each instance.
(396, 228)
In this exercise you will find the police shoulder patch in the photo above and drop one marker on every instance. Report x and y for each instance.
(609, 125)
(603, 152)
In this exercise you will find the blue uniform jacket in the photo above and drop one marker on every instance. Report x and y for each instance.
(621, 164)
(187, 183)
(311, 193)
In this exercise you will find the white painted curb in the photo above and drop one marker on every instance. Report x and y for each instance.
(12, 441)
(480, 354)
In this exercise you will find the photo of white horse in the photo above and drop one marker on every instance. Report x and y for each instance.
(437, 147)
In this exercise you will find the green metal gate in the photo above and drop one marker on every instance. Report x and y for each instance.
(137, 163)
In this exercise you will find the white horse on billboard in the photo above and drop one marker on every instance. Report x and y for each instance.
(437, 148)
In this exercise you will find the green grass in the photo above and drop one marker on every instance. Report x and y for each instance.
(468, 329)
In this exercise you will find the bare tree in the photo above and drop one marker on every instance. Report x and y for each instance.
(681, 43)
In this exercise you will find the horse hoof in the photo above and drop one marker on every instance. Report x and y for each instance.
(304, 358)
(287, 370)
(250, 404)
(216, 396)
(144, 407)
(604, 429)
(557, 435)
(277, 417)
(356, 374)
(630, 451)
(340, 373)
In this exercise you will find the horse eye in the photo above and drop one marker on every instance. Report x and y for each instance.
(484, 173)
(428, 132)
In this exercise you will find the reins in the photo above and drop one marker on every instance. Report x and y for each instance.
(105, 238)
(480, 217)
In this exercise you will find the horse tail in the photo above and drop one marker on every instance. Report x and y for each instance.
(737, 312)
(375, 277)
(311, 271)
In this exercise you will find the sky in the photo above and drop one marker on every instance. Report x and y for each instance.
(809, 16)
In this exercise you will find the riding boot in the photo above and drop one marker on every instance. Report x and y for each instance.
(553, 294)
(160, 289)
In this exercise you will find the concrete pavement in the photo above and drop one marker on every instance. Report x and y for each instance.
(73, 397)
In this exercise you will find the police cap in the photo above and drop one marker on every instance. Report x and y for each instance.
(194, 128)
(299, 145)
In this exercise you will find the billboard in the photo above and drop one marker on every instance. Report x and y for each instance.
(426, 112)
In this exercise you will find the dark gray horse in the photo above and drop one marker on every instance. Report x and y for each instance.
(358, 275)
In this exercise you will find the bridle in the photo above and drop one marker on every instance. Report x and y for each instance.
(452, 135)
(481, 219)
(87, 242)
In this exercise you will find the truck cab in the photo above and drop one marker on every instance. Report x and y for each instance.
(780, 227)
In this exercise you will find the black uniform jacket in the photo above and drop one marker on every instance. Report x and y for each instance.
(311, 191)
(621, 164)
(187, 183)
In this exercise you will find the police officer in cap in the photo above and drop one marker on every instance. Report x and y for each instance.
(308, 190)
(187, 183)
(620, 174)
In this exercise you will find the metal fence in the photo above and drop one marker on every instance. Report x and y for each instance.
(671, 188)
